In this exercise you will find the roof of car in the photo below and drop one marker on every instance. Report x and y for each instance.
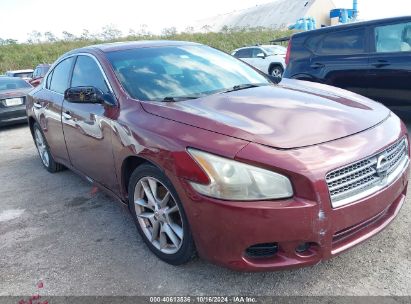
(21, 71)
(353, 24)
(10, 78)
(117, 46)
(257, 46)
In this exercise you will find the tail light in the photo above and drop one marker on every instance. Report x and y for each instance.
(287, 56)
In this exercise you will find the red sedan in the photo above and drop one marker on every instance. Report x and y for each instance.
(213, 158)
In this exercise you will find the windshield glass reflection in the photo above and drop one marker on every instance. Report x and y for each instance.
(190, 71)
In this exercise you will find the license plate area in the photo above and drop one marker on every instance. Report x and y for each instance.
(11, 102)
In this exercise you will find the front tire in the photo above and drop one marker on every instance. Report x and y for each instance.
(277, 71)
(44, 150)
(159, 215)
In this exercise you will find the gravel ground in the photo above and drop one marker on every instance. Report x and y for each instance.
(56, 230)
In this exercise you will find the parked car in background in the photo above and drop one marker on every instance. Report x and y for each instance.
(370, 58)
(13, 92)
(24, 74)
(211, 156)
(39, 72)
(270, 59)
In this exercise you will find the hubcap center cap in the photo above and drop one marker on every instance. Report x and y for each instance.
(159, 215)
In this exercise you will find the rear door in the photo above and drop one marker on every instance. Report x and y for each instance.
(47, 105)
(340, 59)
(390, 64)
(87, 127)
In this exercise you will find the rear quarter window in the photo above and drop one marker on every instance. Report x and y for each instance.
(343, 43)
(393, 38)
(59, 79)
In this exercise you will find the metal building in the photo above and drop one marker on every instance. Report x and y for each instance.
(278, 14)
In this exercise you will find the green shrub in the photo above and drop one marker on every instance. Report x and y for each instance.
(24, 56)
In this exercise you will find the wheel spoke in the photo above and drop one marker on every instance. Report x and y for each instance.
(172, 209)
(177, 230)
(149, 194)
(171, 234)
(153, 187)
(163, 239)
(44, 156)
(38, 137)
(146, 215)
(165, 200)
(156, 230)
(141, 202)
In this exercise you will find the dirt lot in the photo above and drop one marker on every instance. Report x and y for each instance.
(55, 229)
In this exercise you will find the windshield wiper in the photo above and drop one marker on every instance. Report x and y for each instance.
(244, 86)
(232, 89)
(178, 98)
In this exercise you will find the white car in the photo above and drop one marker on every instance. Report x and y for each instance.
(269, 59)
(24, 74)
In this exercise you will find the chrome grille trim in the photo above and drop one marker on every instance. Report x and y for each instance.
(365, 177)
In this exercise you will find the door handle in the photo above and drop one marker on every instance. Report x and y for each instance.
(380, 63)
(317, 65)
(37, 105)
(67, 115)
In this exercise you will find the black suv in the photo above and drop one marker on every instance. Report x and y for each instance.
(372, 58)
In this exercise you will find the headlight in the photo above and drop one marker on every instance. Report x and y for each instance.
(232, 180)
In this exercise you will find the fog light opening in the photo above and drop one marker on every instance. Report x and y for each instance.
(302, 248)
(265, 250)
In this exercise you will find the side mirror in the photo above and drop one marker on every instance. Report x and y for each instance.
(261, 55)
(88, 95)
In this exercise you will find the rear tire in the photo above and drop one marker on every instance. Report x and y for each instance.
(44, 150)
(159, 215)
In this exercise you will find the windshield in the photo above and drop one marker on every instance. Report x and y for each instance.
(275, 49)
(12, 84)
(161, 73)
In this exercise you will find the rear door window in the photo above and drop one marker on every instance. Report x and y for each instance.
(244, 53)
(343, 43)
(393, 38)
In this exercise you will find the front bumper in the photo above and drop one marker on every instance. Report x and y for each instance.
(223, 230)
(12, 115)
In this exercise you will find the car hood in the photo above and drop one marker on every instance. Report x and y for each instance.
(290, 115)
(5, 94)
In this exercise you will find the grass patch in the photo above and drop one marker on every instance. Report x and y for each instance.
(23, 56)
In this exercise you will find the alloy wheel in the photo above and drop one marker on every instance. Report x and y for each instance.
(42, 147)
(276, 72)
(158, 215)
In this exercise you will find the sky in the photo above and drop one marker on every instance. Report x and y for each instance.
(20, 17)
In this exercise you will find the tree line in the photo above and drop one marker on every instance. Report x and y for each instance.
(111, 32)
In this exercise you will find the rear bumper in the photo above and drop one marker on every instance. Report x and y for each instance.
(12, 115)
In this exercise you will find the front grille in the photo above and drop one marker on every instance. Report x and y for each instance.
(359, 178)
